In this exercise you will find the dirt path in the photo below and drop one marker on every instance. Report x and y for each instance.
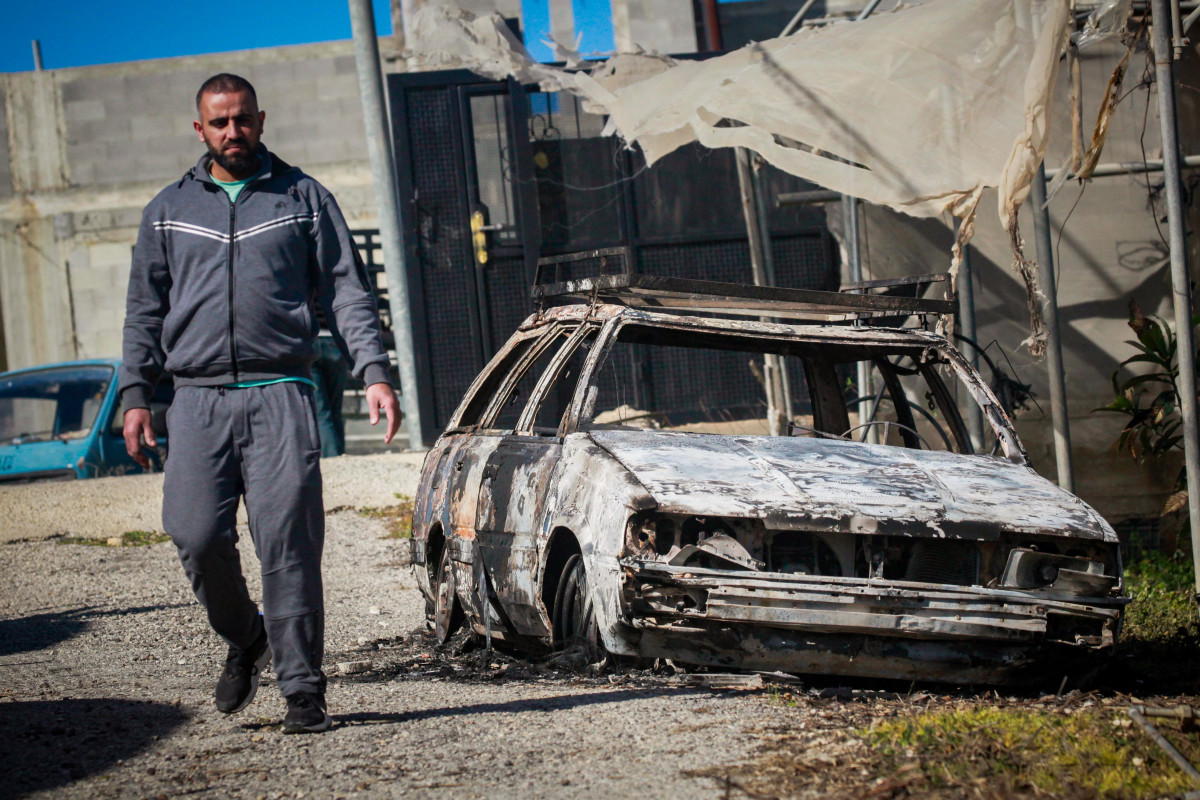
(107, 666)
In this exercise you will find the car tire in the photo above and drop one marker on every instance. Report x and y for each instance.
(574, 612)
(448, 614)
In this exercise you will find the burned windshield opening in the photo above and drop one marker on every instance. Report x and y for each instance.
(735, 383)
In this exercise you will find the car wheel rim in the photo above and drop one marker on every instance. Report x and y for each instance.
(446, 613)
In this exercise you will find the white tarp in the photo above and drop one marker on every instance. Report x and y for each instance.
(919, 109)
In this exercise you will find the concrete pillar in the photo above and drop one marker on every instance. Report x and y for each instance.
(34, 116)
(562, 22)
(34, 285)
(35, 290)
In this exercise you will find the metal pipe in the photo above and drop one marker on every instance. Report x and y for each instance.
(812, 196)
(1191, 18)
(850, 217)
(712, 25)
(1166, 746)
(1123, 168)
(784, 389)
(753, 230)
(854, 262)
(866, 12)
(1054, 360)
(795, 23)
(383, 175)
(1101, 171)
(37, 56)
(966, 320)
(1180, 280)
(758, 269)
(1177, 40)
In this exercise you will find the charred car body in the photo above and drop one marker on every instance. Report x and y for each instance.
(563, 504)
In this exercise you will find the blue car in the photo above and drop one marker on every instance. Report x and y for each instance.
(63, 421)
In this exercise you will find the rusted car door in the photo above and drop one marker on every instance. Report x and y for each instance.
(515, 481)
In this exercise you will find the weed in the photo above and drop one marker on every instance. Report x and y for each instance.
(126, 539)
(396, 518)
(1162, 607)
(1088, 753)
(782, 697)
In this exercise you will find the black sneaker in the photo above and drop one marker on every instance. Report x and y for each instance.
(306, 713)
(239, 680)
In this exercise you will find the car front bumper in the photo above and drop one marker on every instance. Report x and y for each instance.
(849, 626)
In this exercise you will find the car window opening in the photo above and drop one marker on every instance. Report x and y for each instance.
(908, 404)
(52, 404)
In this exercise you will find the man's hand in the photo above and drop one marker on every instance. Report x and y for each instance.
(137, 430)
(379, 395)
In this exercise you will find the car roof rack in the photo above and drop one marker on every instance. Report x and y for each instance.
(606, 275)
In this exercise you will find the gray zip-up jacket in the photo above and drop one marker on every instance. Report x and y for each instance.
(224, 292)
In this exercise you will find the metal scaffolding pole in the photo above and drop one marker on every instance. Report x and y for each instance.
(966, 321)
(854, 257)
(1054, 360)
(383, 175)
(1180, 280)
(850, 228)
(761, 266)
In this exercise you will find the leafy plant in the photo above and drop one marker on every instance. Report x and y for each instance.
(1162, 610)
(1156, 428)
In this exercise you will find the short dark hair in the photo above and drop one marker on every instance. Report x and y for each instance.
(224, 82)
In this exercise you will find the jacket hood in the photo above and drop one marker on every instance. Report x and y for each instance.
(835, 485)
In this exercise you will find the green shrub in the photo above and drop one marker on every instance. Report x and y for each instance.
(1162, 608)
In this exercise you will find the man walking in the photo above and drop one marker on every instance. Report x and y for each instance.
(230, 263)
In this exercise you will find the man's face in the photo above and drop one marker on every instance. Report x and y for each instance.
(230, 125)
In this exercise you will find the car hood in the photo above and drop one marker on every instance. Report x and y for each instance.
(830, 484)
(18, 461)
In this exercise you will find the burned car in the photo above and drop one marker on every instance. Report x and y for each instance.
(612, 478)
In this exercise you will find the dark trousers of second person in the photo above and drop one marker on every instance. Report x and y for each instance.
(330, 373)
(260, 443)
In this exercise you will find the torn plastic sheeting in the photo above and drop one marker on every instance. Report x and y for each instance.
(918, 109)
(1109, 18)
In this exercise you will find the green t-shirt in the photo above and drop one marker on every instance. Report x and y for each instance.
(234, 188)
(252, 384)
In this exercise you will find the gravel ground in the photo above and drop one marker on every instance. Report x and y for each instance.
(108, 666)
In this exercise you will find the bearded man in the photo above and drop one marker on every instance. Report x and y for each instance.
(230, 264)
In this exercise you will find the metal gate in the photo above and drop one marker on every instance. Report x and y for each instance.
(538, 177)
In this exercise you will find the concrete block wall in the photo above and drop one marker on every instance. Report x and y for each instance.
(91, 146)
(135, 125)
(665, 26)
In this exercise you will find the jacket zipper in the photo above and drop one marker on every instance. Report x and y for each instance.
(229, 283)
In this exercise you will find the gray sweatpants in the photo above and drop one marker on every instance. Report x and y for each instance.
(260, 443)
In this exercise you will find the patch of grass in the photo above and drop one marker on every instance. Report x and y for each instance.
(397, 518)
(1162, 608)
(1017, 751)
(126, 539)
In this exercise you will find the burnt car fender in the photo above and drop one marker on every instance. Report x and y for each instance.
(592, 496)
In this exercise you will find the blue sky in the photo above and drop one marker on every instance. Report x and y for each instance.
(76, 33)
